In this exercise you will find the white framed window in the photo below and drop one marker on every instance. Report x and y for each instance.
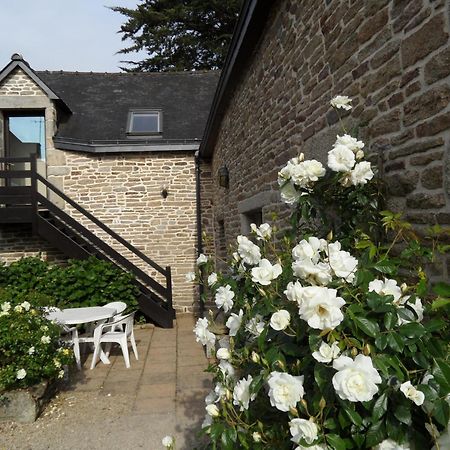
(144, 122)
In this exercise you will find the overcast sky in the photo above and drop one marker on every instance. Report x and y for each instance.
(63, 34)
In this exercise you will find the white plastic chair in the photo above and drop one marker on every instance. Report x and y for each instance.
(120, 307)
(71, 335)
(105, 333)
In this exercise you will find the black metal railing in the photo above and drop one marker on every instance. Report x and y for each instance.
(26, 201)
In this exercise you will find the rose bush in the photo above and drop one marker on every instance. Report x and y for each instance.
(30, 347)
(326, 348)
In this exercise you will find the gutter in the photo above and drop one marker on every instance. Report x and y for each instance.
(199, 223)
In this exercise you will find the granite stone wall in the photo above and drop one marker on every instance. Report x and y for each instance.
(391, 57)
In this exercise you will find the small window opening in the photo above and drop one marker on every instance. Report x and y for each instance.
(255, 216)
(144, 122)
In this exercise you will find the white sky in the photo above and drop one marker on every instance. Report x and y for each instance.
(73, 35)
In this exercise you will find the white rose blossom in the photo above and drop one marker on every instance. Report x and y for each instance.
(207, 421)
(356, 380)
(327, 353)
(306, 172)
(168, 441)
(320, 307)
(202, 259)
(285, 390)
(280, 320)
(312, 447)
(341, 102)
(255, 325)
(303, 429)
(248, 251)
(386, 287)
(202, 333)
(293, 292)
(223, 353)
(349, 141)
(289, 194)
(416, 306)
(234, 322)
(310, 248)
(190, 277)
(306, 269)
(341, 159)
(342, 263)
(411, 393)
(362, 173)
(265, 272)
(31, 350)
(256, 436)
(21, 374)
(389, 444)
(18, 308)
(263, 232)
(5, 307)
(25, 305)
(45, 339)
(241, 393)
(212, 279)
(226, 368)
(224, 297)
(212, 410)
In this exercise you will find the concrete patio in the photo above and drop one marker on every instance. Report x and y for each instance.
(114, 407)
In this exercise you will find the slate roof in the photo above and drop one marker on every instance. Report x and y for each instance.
(100, 102)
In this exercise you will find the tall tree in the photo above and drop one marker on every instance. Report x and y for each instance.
(179, 34)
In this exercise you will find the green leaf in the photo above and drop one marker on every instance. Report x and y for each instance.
(321, 376)
(379, 407)
(442, 289)
(441, 412)
(385, 266)
(390, 319)
(403, 413)
(330, 424)
(352, 414)
(440, 302)
(367, 326)
(381, 341)
(412, 330)
(335, 442)
(395, 341)
(375, 434)
(441, 372)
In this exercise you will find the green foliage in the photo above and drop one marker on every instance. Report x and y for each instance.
(89, 282)
(30, 347)
(189, 35)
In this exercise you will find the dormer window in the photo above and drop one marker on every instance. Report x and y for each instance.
(144, 122)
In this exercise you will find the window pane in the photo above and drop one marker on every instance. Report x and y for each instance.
(145, 123)
(28, 135)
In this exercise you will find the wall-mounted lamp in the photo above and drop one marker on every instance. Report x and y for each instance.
(224, 177)
(164, 192)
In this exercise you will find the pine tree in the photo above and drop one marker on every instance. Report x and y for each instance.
(179, 34)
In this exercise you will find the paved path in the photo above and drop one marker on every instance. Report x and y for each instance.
(118, 408)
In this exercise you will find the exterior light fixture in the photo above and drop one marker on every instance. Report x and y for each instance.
(164, 192)
(224, 177)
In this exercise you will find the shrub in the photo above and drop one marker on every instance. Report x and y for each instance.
(30, 347)
(325, 350)
(89, 282)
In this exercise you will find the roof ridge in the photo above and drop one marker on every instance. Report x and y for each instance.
(70, 72)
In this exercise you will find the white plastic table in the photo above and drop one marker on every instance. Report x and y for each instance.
(77, 316)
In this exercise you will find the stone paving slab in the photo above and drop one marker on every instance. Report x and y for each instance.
(162, 393)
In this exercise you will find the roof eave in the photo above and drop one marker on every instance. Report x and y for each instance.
(251, 22)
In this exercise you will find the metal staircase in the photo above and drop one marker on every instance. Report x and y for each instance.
(24, 203)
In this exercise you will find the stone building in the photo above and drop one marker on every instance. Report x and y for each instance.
(287, 60)
(122, 146)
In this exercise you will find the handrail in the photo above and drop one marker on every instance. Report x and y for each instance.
(101, 225)
(35, 197)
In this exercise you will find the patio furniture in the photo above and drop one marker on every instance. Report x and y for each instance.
(104, 333)
(120, 307)
(71, 334)
(77, 316)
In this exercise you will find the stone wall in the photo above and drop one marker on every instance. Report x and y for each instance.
(124, 192)
(391, 57)
(18, 92)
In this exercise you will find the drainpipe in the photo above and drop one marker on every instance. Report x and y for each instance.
(199, 223)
